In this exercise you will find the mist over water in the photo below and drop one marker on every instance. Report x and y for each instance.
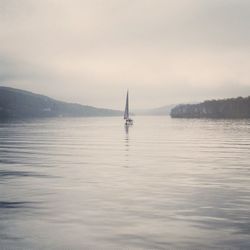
(93, 183)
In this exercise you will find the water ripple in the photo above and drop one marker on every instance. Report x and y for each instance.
(90, 183)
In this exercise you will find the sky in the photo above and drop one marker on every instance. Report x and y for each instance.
(92, 51)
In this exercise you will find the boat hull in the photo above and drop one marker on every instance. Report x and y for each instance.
(129, 122)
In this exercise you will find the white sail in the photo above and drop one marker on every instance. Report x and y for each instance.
(126, 113)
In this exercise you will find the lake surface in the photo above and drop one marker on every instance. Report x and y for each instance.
(88, 183)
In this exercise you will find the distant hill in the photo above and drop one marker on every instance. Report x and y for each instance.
(16, 103)
(165, 110)
(233, 108)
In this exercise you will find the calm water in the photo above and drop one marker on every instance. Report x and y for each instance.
(88, 183)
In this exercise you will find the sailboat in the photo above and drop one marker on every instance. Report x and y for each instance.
(129, 121)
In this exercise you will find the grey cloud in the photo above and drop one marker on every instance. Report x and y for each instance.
(165, 51)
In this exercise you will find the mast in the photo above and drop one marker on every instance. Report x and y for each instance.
(126, 113)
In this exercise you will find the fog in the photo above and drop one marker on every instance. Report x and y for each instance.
(92, 51)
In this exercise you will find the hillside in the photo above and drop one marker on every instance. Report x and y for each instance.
(15, 103)
(165, 110)
(234, 108)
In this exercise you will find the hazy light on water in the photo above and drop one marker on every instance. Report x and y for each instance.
(88, 182)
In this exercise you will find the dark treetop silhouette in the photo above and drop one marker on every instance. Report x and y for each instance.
(234, 108)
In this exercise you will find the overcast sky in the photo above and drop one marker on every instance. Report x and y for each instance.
(91, 51)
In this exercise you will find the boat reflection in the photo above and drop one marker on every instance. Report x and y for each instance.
(126, 126)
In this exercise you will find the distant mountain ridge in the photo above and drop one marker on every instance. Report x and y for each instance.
(234, 108)
(164, 110)
(16, 103)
